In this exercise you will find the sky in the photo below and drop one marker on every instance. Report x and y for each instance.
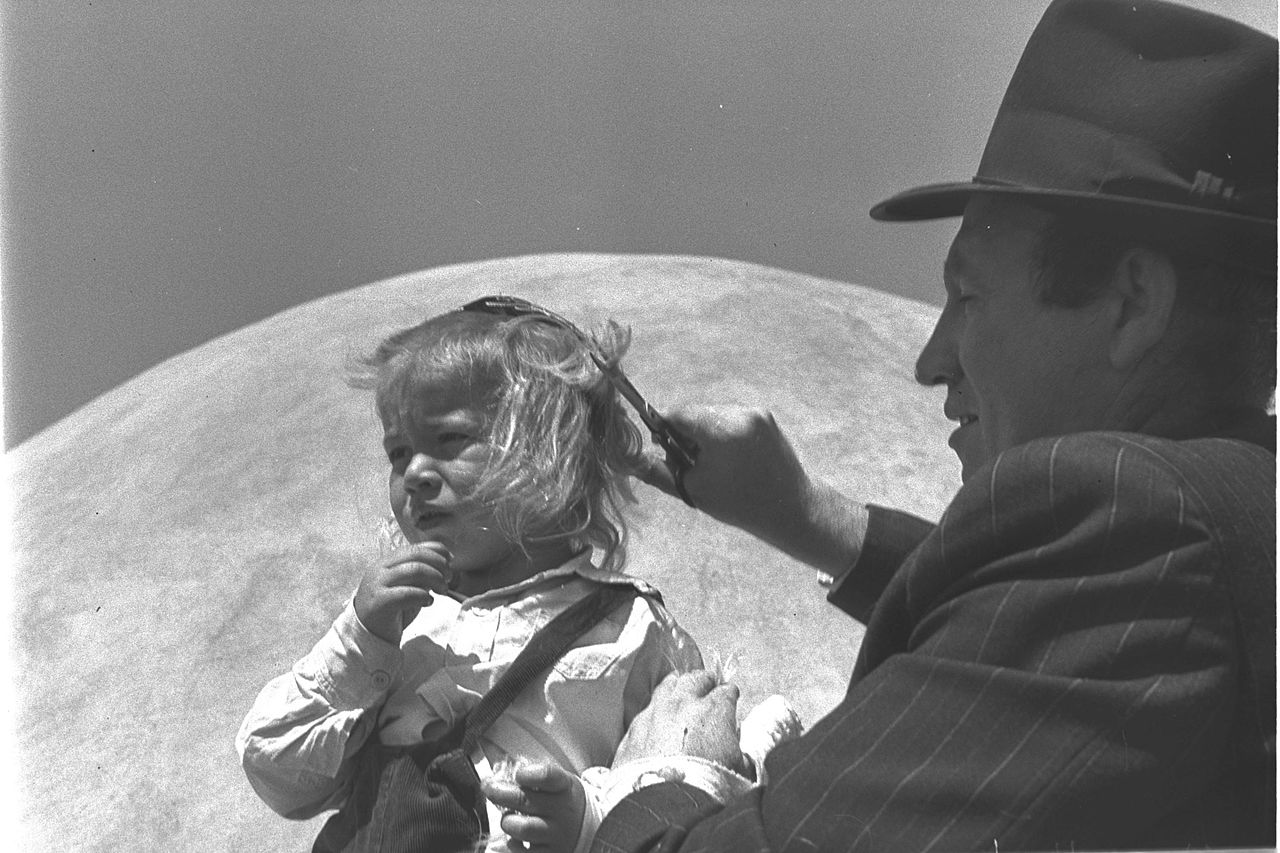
(173, 172)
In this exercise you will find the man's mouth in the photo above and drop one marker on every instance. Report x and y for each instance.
(962, 422)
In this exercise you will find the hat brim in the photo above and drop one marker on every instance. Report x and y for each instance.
(1248, 239)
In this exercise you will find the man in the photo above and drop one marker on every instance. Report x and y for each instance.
(1081, 654)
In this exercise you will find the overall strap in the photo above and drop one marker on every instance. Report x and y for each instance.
(544, 649)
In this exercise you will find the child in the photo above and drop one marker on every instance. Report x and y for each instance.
(509, 450)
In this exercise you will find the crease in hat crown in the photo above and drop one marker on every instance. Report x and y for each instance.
(1120, 105)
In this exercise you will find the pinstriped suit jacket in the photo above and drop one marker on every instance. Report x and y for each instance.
(1080, 655)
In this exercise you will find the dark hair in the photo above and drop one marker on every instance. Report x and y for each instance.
(1228, 310)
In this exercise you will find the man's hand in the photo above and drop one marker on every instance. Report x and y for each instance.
(392, 593)
(544, 806)
(690, 713)
(747, 475)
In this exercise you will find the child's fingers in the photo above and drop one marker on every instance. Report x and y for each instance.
(507, 796)
(404, 600)
(533, 791)
(514, 799)
(543, 776)
(417, 575)
(431, 553)
(533, 831)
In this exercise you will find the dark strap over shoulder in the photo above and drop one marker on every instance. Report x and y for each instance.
(544, 649)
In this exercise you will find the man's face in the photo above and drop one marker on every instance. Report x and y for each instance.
(1015, 369)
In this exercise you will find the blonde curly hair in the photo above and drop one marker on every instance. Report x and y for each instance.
(565, 442)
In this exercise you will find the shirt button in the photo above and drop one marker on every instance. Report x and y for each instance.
(380, 679)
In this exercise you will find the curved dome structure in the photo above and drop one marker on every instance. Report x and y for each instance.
(187, 536)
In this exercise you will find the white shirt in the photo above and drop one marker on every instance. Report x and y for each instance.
(298, 740)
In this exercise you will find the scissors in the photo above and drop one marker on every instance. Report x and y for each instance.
(681, 451)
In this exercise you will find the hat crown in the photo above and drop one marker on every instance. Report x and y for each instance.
(1155, 100)
(1140, 113)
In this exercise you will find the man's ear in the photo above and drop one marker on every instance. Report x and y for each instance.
(1144, 286)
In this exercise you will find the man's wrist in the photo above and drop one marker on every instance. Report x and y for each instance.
(828, 532)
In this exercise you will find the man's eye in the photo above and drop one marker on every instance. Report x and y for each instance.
(397, 454)
(453, 437)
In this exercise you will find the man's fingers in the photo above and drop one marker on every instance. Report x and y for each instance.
(696, 683)
(652, 469)
(727, 692)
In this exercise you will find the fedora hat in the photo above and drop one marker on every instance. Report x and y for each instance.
(1143, 115)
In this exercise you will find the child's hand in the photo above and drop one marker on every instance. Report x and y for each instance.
(392, 593)
(544, 805)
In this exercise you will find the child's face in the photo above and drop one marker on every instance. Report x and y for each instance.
(436, 460)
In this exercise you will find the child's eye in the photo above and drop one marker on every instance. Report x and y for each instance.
(397, 454)
(453, 437)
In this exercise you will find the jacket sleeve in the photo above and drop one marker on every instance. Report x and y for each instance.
(890, 536)
(1053, 666)
(298, 740)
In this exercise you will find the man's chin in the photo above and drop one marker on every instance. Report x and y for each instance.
(966, 443)
(972, 459)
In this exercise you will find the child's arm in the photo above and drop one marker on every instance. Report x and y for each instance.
(298, 742)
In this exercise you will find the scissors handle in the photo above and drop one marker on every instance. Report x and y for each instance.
(682, 452)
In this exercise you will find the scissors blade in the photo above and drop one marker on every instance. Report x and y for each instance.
(681, 450)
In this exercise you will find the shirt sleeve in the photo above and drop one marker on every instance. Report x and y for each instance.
(298, 739)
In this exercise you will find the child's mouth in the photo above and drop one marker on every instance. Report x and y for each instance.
(430, 518)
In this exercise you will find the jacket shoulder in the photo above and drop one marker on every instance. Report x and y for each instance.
(1209, 470)
(1107, 489)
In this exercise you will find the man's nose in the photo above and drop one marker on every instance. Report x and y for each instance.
(421, 475)
(937, 364)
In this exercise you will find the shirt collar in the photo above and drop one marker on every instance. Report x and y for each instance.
(578, 565)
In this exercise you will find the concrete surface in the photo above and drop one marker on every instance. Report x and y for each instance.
(188, 535)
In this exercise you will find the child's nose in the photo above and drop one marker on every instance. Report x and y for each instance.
(421, 475)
